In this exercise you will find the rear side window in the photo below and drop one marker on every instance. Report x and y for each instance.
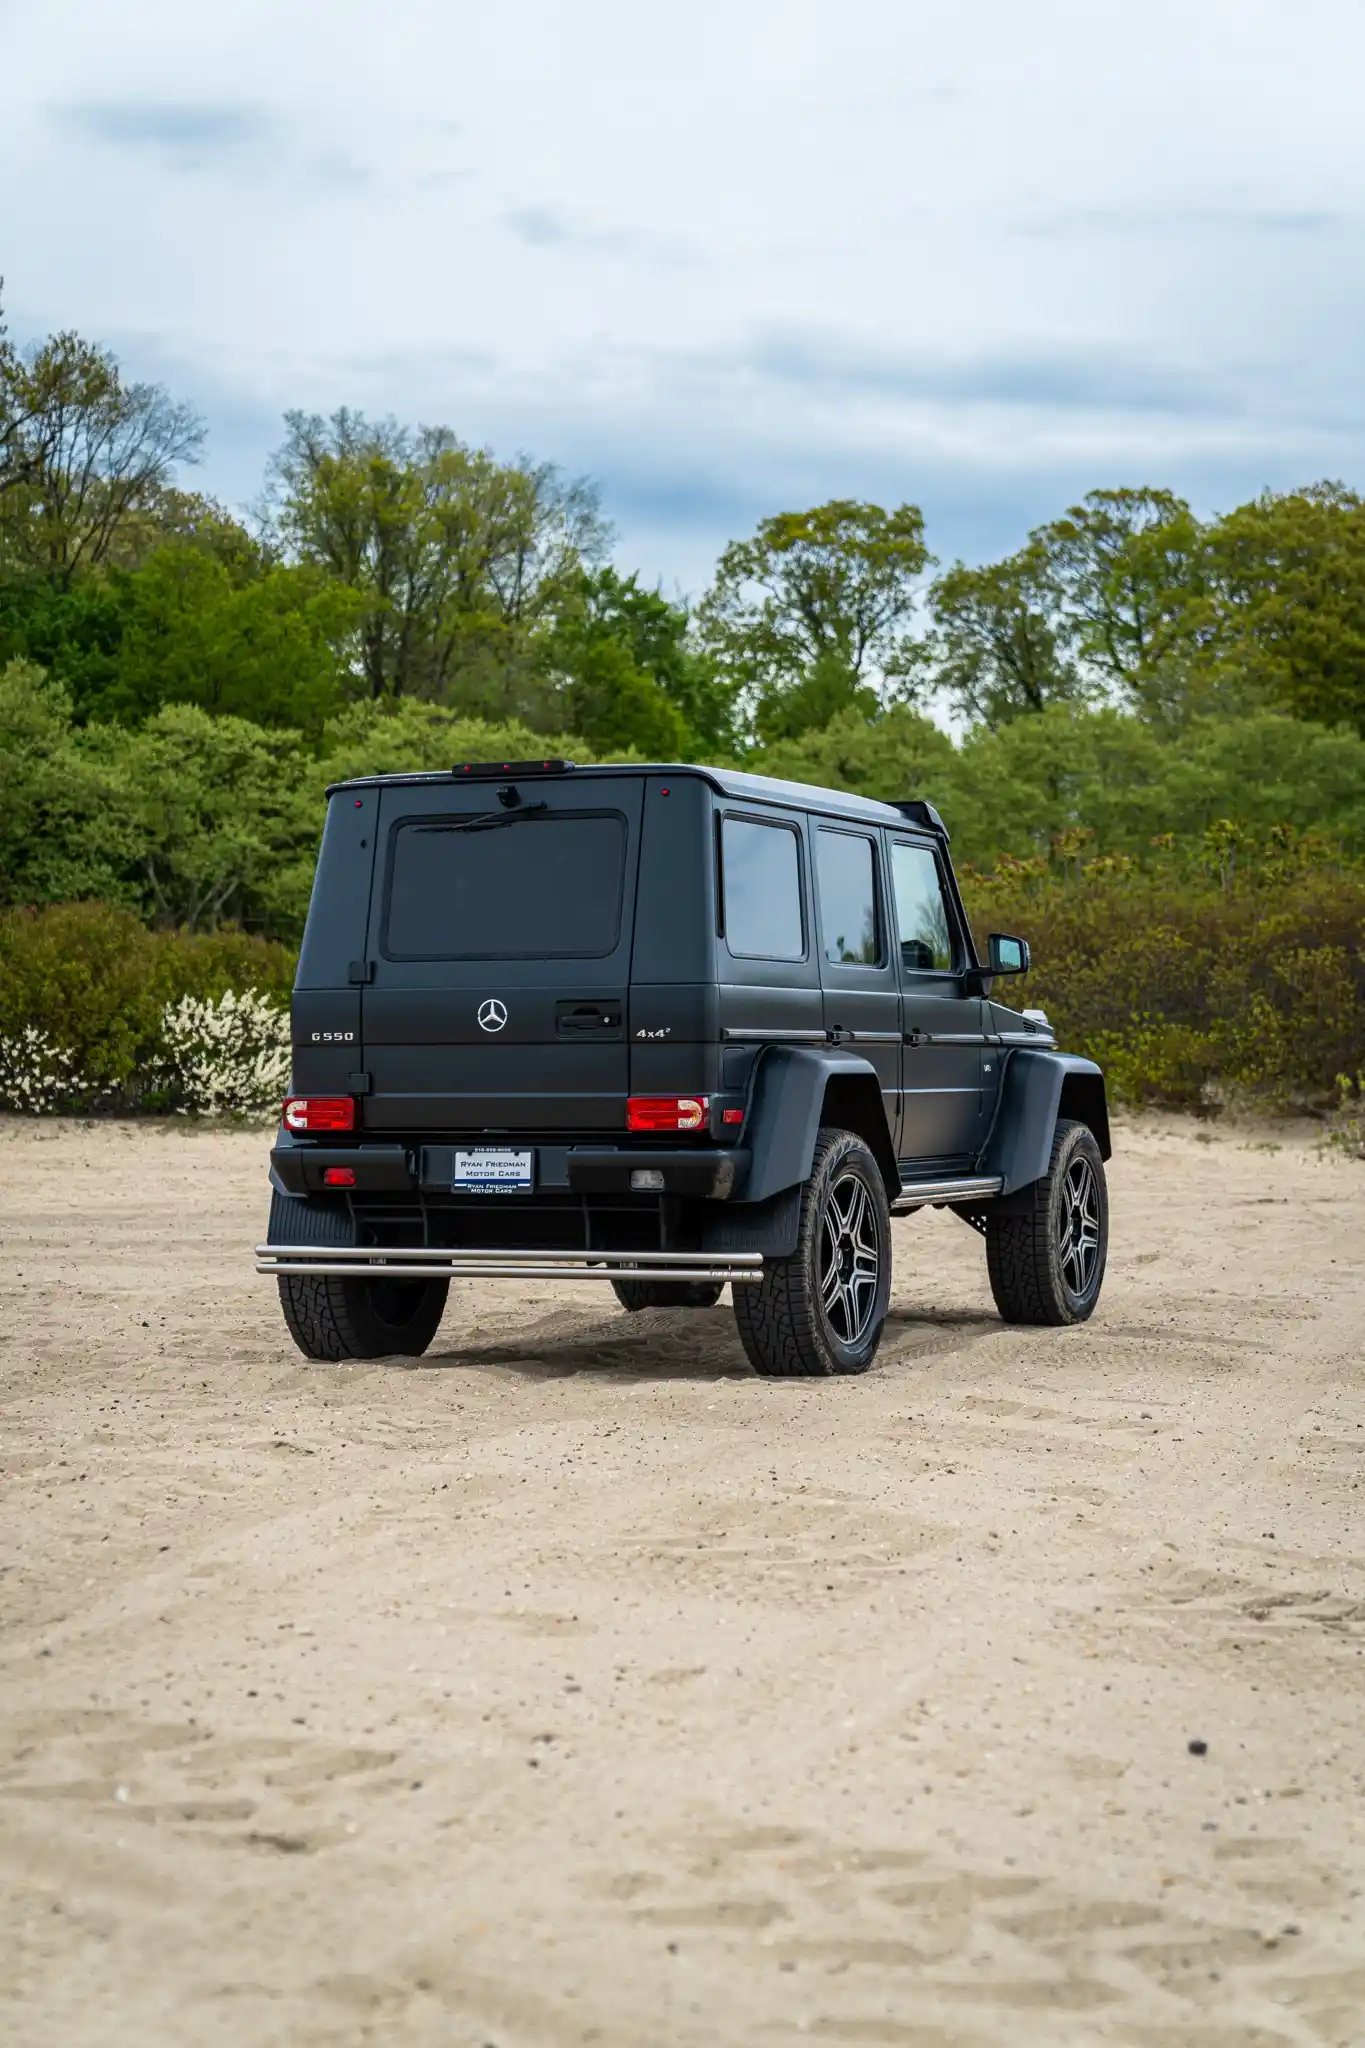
(761, 890)
(544, 888)
(848, 898)
(923, 924)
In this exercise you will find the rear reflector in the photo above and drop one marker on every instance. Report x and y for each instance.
(338, 1177)
(732, 1116)
(666, 1112)
(319, 1113)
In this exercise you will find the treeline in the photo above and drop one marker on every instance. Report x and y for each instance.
(1159, 719)
(386, 564)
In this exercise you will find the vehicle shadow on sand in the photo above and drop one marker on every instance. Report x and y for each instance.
(676, 1344)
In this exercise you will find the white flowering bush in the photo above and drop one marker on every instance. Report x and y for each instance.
(38, 1076)
(229, 1058)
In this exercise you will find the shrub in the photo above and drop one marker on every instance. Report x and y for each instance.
(95, 983)
(1192, 982)
(36, 1076)
(1346, 1125)
(224, 1058)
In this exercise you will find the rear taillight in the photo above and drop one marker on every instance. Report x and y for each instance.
(319, 1113)
(666, 1112)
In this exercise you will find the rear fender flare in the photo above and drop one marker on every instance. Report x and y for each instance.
(793, 1092)
(1037, 1088)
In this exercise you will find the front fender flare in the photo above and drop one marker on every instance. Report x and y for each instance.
(1035, 1089)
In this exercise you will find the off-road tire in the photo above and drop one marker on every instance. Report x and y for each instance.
(783, 1323)
(335, 1318)
(638, 1294)
(1032, 1255)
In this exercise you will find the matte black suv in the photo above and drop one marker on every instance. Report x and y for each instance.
(669, 1028)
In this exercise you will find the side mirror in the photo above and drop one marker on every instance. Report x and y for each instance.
(1007, 955)
(1004, 955)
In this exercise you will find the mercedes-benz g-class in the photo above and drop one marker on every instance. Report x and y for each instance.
(669, 1028)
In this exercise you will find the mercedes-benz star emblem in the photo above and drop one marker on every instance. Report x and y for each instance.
(492, 1014)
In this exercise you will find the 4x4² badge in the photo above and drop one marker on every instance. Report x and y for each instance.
(492, 1014)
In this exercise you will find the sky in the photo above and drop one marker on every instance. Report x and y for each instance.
(730, 258)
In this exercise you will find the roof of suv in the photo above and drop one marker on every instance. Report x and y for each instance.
(730, 782)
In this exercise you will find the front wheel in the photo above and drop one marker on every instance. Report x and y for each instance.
(1046, 1262)
(335, 1318)
(822, 1310)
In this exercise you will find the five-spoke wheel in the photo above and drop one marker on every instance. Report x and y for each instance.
(821, 1309)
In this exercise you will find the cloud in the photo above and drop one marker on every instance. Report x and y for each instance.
(540, 227)
(1065, 377)
(546, 227)
(1221, 221)
(190, 134)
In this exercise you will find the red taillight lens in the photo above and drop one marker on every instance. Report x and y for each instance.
(319, 1113)
(666, 1112)
(338, 1177)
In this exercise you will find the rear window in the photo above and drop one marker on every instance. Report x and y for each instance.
(545, 888)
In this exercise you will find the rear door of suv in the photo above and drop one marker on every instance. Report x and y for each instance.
(498, 958)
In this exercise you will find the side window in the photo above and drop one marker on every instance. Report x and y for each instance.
(848, 898)
(924, 926)
(761, 890)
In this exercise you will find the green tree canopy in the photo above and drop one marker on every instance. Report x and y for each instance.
(822, 600)
(84, 455)
(1000, 645)
(460, 560)
(1284, 602)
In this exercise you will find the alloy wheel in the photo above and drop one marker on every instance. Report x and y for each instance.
(850, 1259)
(1078, 1226)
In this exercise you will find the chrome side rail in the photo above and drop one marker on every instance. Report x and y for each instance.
(918, 1194)
(437, 1262)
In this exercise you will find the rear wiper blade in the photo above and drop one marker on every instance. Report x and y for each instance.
(487, 821)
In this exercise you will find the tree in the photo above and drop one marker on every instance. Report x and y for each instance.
(1286, 605)
(219, 817)
(61, 833)
(73, 635)
(1127, 568)
(659, 635)
(269, 647)
(901, 754)
(834, 587)
(82, 454)
(459, 559)
(999, 646)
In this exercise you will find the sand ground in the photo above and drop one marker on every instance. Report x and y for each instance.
(575, 1686)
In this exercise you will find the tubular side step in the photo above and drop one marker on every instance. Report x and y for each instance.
(918, 1194)
(436, 1262)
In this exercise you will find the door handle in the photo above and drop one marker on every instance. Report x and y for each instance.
(840, 1034)
(574, 1020)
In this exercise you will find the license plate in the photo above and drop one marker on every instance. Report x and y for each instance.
(492, 1171)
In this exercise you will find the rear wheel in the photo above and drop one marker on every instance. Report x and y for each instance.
(337, 1318)
(822, 1310)
(637, 1294)
(1046, 1264)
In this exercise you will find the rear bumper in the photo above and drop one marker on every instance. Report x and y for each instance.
(709, 1172)
(434, 1263)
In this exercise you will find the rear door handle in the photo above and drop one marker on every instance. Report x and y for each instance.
(579, 1020)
